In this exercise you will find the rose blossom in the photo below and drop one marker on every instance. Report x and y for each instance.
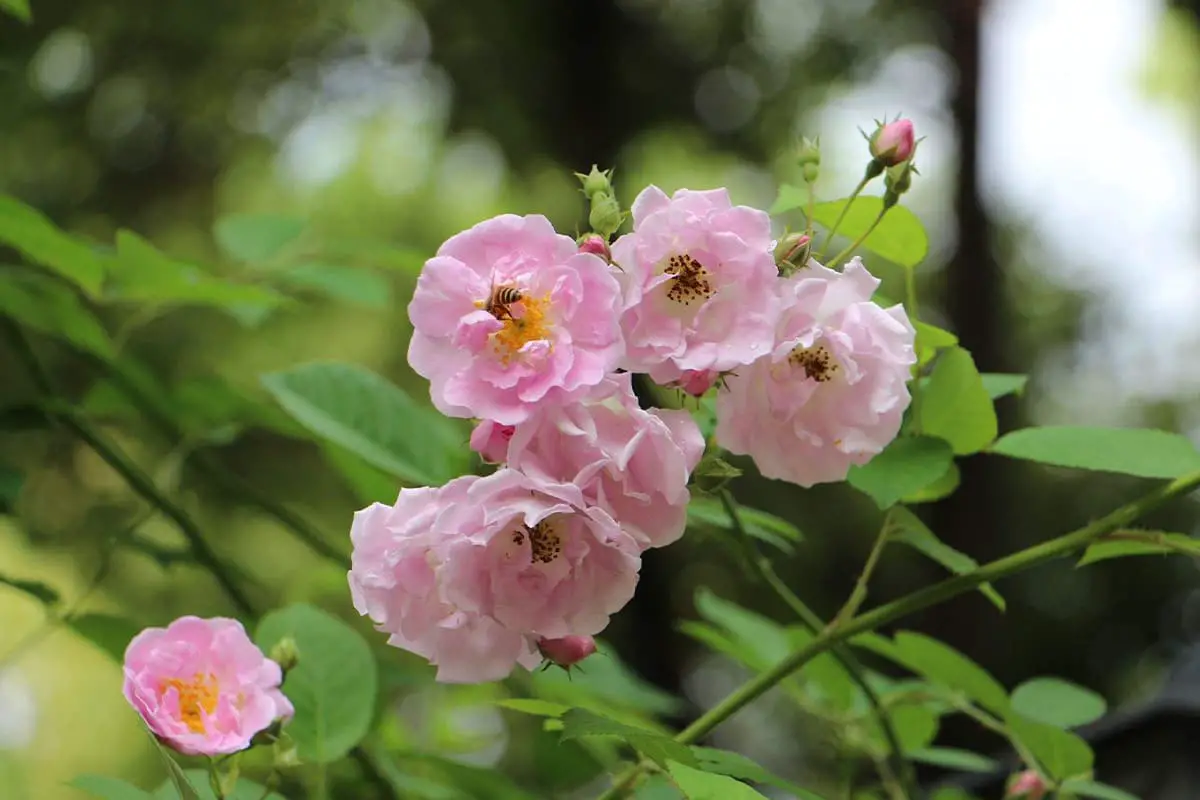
(492, 359)
(631, 462)
(471, 574)
(832, 391)
(202, 686)
(699, 280)
(490, 440)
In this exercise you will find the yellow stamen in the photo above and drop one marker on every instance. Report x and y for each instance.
(817, 362)
(529, 322)
(545, 542)
(199, 693)
(691, 281)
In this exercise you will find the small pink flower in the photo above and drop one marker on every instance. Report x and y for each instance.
(595, 244)
(471, 574)
(697, 382)
(567, 651)
(1027, 785)
(490, 440)
(699, 280)
(893, 142)
(631, 462)
(833, 390)
(202, 686)
(509, 315)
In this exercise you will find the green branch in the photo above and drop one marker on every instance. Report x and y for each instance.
(917, 601)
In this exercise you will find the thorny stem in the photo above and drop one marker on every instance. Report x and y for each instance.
(859, 593)
(842, 256)
(862, 184)
(919, 600)
(897, 775)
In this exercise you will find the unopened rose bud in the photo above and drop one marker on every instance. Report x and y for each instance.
(596, 182)
(286, 654)
(698, 381)
(809, 159)
(893, 142)
(490, 440)
(605, 216)
(793, 251)
(594, 243)
(896, 181)
(567, 651)
(1027, 785)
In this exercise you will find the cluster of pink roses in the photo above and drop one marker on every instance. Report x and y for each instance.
(538, 337)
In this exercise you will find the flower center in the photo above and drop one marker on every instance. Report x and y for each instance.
(691, 282)
(526, 321)
(194, 695)
(545, 542)
(817, 362)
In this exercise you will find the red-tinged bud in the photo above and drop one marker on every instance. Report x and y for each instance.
(594, 243)
(793, 252)
(490, 440)
(697, 382)
(567, 651)
(1027, 785)
(893, 143)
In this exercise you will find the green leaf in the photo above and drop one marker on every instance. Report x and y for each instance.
(51, 307)
(28, 231)
(107, 788)
(699, 785)
(941, 664)
(1147, 543)
(347, 284)
(254, 238)
(905, 466)
(242, 790)
(915, 726)
(998, 384)
(763, 641)
(333, 686)
(911, 531)
(1062, 753)
(736, 765)
(579, 722)
(110, 633)
(35, 589)
(18, 8)
(1058, 702)
(951, 758)
(789, 198)
(143, 273)
(11, 481)
(900, 237)
(930, 340)
(657, 787)
(956, 406)
(708, 512)
(1143, 452)
(177, 778)
(942, 487)
(372, 418)
(608, 683)
(538, 708)
(1101, 791)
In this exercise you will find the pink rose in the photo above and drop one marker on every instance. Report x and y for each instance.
(633, 463)
(490, 440)
(893, 143)
(567, 651)
(471, 574)
(697, 382)
(509, 315)
(202, 686)
(833, 390)
(699, 279)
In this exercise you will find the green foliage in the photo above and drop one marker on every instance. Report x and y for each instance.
(1000, 385)
(941, 664)
(18, 8)
(952, 758)
(53, 308)
(255, 238)
(243, 790)
(367, 415)
(900, 237)
(699, 785)
(28, 231)
(347, 284)
(904, 467)
(657, 787)
(955, 405)
(736, 765)
(579, 722)
(35, 589)
(944, 486)
(1057, 702)
(1140, 543)
(745, 636)
(11, 481)
(110, 633)
(789, 199)
(708, 513)
(605, 683)
(910, 530)
(176, 777)
(107, 788)
(1062, 753)
(1101, 791)
(333, 686)
(915, 725)
(1142, 452)
(930, 341)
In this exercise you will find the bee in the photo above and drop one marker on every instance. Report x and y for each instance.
(500, 299)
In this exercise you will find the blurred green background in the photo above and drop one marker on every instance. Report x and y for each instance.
(1060, 188)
